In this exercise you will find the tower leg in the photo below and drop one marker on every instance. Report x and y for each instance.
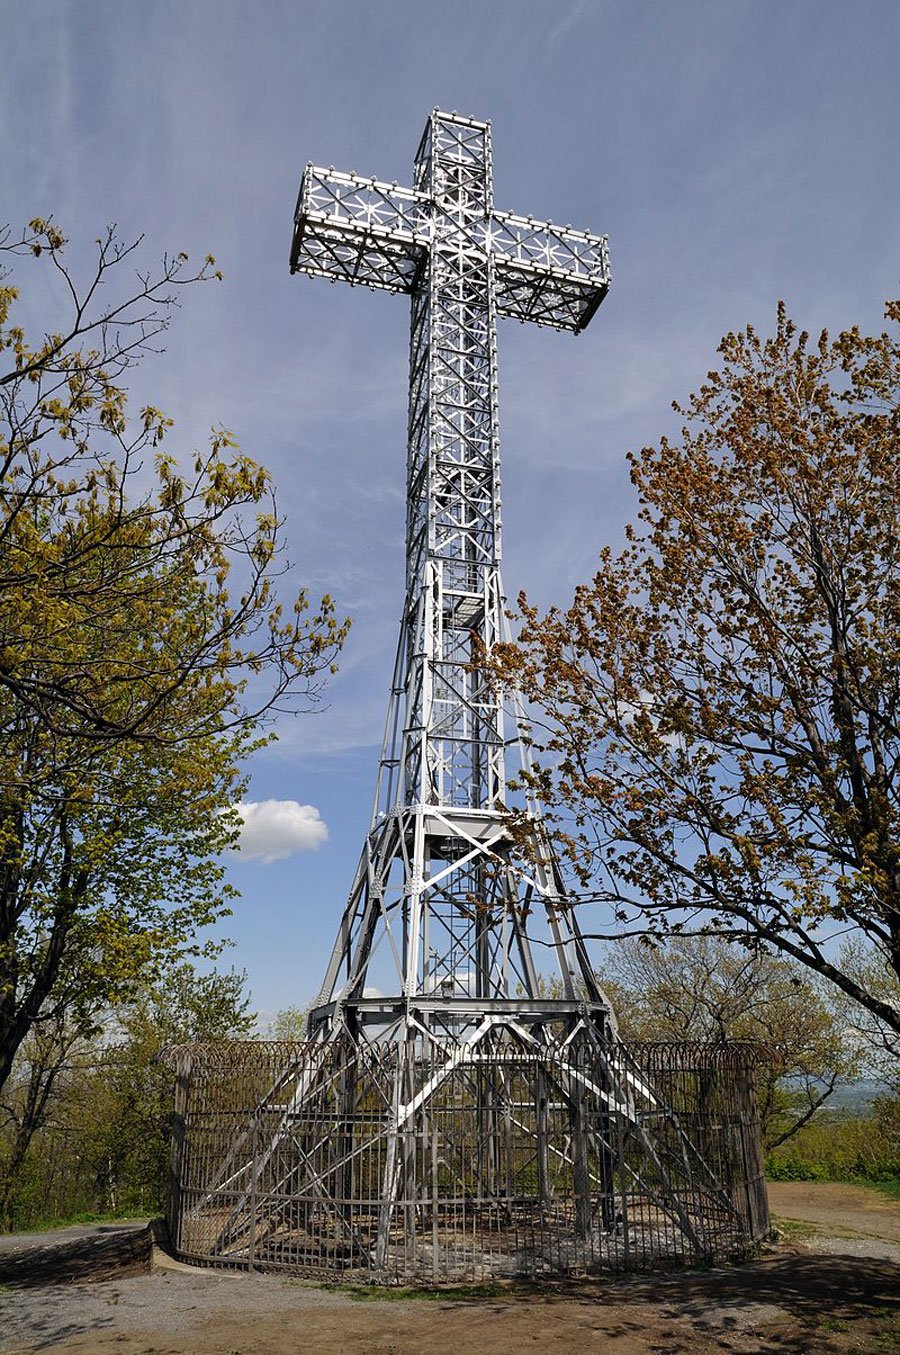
(400, 1186)
(581, 1181)
(391, 1172)
(542, 1137)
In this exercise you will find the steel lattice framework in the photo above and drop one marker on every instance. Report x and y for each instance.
(464, 1101)
(435, 883)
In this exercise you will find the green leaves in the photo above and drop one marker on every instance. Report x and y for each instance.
(88, 1106)
(139, 591)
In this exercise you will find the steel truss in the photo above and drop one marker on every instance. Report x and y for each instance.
(438, 896)
(436, 886)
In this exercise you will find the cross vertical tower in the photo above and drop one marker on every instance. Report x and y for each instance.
(436, 893)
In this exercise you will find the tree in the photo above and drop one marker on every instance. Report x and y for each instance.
(878, 1043)
(708, 989)
(44, 1061)
(143, 649)
(127, 1147)
(718, 711)
(87, 1115)
(288, 1023)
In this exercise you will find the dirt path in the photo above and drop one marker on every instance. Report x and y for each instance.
(73, 1232)
(794, 1304)
(845, 1208)
(795, 1301)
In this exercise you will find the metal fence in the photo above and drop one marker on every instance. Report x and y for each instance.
(363, 1163)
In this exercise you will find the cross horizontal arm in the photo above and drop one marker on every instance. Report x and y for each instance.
(364, 231)
(551, 275)
(358, 230)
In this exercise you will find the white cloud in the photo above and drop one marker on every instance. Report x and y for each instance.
(275, 829)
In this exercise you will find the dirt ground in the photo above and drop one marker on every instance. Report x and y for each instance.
(831, 1288)
(844, 1208)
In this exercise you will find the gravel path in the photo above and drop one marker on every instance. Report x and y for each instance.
(821, 1293)
(795, 1304)
(75, 1232)
(162, 1304)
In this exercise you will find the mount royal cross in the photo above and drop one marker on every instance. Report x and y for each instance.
(451, 1117)
(439, 909)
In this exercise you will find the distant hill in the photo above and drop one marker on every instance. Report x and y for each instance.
(857, 1096)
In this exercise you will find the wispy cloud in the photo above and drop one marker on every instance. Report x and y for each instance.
(568, 20)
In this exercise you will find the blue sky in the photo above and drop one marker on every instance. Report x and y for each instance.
(735, 153)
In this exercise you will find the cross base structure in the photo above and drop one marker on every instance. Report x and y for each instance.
(342, 1160)
(454, 1103)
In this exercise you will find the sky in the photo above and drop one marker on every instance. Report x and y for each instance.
(735, 154)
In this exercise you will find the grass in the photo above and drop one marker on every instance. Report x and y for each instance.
(802, 1230)
(884, 1340)
(888, 1340)
(890, 1188)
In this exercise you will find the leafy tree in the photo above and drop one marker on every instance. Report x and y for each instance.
(87, 1116)
(142, 649)
(878, 1043)
(127, 1148)
(718, 711)
(44, 1062)
(288, 1024)
(707, 989)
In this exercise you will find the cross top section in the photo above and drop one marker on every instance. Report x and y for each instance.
(362, 230)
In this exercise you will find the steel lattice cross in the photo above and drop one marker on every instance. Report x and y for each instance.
(497, 1109)
(436, 891)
